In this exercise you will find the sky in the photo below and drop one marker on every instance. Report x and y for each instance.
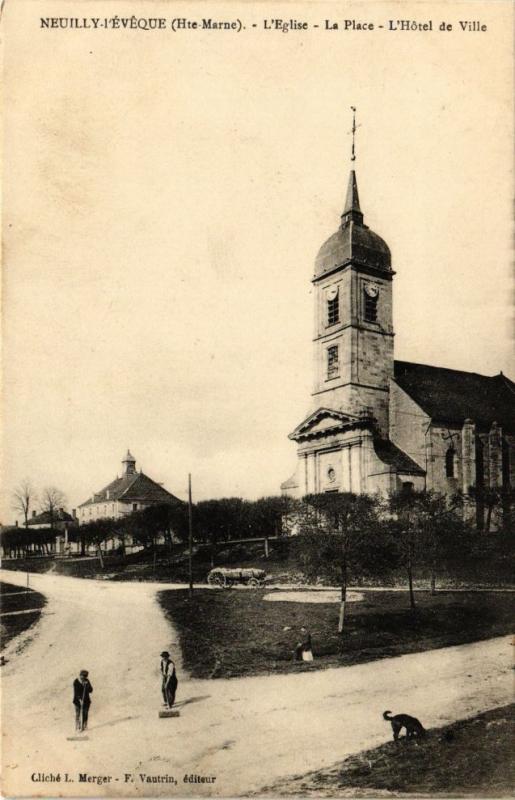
(165, 195)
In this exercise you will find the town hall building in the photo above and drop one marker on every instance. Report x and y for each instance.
(376, 424)
(132, 491)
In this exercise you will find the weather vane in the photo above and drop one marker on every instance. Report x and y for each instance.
(353, 131)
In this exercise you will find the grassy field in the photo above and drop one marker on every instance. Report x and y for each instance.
(469, 758)
(139, 566)
(15, 598)
(489, 571)
(247, 635)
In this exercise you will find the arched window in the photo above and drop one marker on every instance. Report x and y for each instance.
(332, 311)
(450, 461)
(371, 293)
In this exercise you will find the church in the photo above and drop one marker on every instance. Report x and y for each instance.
(380, 425)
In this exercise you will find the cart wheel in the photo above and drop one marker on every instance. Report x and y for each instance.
(253, 582)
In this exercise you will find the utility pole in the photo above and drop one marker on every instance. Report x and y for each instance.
(190, 536)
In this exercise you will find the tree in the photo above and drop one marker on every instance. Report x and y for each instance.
(52, 499)
(23, 541)
(223, 520)
(23, 498)
(96, 532)
(164, 519)
(497, 500)
(335, 534)
(270, 516)
(428, 530)
(443, 535)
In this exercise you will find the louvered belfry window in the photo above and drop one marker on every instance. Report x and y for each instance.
(333, 312)
(333, 366)
(370, 308)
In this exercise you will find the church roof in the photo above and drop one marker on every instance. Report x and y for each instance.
(450, 395)
(291, 483)
(353, 241)
(131, 488)
(392, 455)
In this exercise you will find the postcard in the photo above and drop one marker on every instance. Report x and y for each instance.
(258, 399)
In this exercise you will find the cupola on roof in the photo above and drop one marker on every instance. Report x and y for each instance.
(129, 462)
(353, 241)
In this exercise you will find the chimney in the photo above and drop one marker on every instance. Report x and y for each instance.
(33, 514)
(16, 523)
(74, 513)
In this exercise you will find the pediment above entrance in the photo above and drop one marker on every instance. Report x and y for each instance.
(326, 421)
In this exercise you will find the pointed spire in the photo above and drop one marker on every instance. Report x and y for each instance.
(352, 201)
(352, 210)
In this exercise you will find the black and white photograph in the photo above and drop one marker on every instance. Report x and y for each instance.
(258, 399)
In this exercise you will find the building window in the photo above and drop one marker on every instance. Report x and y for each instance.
(371, 307)
(450, 462)
(332, 362)
(333, 310)
(134, 506)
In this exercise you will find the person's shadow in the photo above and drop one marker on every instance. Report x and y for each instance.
(110, 723)
(191, 700)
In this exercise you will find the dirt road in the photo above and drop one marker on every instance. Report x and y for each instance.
(245, 733)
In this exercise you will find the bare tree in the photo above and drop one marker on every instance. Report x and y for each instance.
(52, 499)
(23, 497)
(338, 535)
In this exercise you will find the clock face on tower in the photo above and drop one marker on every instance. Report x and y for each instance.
(371, 289)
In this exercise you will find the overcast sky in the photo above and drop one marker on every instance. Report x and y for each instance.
(165, 197)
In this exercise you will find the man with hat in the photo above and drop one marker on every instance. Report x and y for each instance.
(82, 689)
(169, 679)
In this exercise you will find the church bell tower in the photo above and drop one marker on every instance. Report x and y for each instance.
(353, 337)
(343, 444)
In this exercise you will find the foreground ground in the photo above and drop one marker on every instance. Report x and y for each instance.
(240, 633)
(20, 608)
(472, 757)
(244, 733)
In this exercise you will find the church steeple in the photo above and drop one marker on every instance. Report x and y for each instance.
(353, 317)
(352, 210)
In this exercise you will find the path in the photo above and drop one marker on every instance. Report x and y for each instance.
(247, 732)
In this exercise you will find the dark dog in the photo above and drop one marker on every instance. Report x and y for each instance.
(413, 726)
